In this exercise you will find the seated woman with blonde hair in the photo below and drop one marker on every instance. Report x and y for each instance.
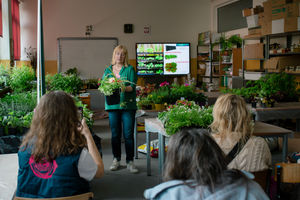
(232, 129)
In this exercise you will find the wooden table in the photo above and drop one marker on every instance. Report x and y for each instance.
(287, 110)
(153, 125)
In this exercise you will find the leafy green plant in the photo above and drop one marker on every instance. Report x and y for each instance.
(185, 114)
(108, 85)
(186, 91)
(71, 84)
(21, 79)
(228, 44)
(87, 114)
(4, 75)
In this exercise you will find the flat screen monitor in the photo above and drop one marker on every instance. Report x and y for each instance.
(163, 58)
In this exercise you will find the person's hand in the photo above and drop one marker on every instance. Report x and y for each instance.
(84, 128)
(123, 88)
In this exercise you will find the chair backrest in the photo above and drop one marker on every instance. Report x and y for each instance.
(85, 196)
(263, 179)
(290, 172)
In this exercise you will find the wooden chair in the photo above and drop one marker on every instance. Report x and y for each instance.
(85, 196)
(286, 173)
(263, 179)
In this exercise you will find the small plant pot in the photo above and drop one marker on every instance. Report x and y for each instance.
(114, 98)
(159, 107)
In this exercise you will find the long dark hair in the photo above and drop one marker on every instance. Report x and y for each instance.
(194, 155)
(54, 128)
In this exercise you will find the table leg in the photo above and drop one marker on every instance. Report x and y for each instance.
(161, 152)
(284, 147)
(148, 153)
(297, 125)
(135, 140)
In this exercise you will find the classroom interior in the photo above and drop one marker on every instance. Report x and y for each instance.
(132, 22)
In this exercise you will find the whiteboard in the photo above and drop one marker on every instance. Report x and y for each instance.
(89, 55)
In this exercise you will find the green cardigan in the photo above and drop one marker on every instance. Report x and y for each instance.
(127, 99)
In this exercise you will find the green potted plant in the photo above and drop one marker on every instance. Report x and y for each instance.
(71, 84)
(183, 114)
(21, 79)
(227, 45)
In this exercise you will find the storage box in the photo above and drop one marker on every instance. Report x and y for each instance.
(254, 51)
(254, 31)
(279, 63)
(252, 64)
(278, 26)
(247, 12)
(292, 9)
(278, 9)
(253, 75)
(252, 21)
(291, 24)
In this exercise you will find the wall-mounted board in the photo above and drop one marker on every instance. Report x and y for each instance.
(89, 55)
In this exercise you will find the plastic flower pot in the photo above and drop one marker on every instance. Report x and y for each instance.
(114, 98)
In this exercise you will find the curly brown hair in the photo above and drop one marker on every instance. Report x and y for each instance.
(55, 128)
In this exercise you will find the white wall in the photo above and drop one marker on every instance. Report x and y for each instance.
(170, 21)
(4, 41)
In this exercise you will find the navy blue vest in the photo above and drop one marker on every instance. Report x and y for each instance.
(57, 179)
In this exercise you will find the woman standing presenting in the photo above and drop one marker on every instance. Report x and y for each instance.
(122, 114)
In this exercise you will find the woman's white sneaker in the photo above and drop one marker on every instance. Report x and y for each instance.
(132, 168)
(115, 165)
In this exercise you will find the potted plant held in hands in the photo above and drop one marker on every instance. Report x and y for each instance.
(111, 87)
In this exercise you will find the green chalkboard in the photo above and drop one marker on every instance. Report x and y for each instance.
(230, 17)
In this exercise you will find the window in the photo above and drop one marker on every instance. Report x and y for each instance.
(16, 28)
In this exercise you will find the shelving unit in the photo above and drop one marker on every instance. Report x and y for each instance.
(266, 40)
(207, 64)
(210, 59)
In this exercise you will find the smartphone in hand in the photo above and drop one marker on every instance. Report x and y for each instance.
(80, 111)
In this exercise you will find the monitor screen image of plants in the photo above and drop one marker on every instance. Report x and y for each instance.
(163, 58)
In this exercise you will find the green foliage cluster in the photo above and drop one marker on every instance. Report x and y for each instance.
(280, 87)
(187, 92)
(71, 84)
(181, 115)
(4, 75)
(21, 79)
(108, 85)
(16, 110)
(228, 44)
(171, 93)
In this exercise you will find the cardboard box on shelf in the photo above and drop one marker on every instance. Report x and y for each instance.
(277, 26)
(292, 9)
(267, 10)
(252, 65)
(291, 24)
(279, 63)
(252, 21)
(247, 12)
(254, 51)
(278, 9)
(254, 31)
